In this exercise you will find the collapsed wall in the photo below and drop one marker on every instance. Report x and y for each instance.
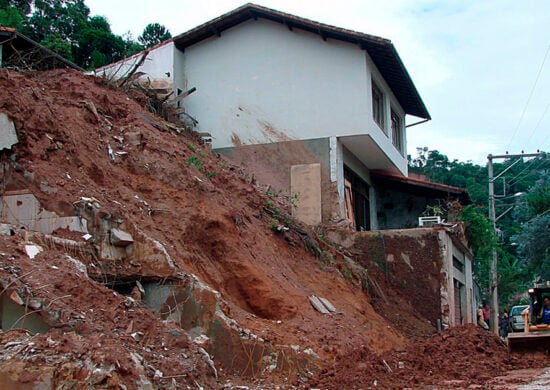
(429, 268)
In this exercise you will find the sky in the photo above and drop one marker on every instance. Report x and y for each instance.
(482, 67)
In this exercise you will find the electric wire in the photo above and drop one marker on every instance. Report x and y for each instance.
(538, 123)
(529, 98)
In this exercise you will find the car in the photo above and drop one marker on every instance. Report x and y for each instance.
(516, 320)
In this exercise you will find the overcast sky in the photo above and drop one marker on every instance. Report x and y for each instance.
(476, 64)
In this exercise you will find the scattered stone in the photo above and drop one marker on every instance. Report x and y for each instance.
(36, 303)
(14, 296)
(133, 138)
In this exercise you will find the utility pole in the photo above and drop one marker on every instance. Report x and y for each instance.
(493, 276)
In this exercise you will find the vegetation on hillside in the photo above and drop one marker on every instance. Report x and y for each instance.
(522, 239)
(66, 27)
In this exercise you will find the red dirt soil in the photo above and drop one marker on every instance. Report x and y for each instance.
(456, 358)
(211, 220)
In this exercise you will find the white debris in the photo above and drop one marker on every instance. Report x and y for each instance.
(330, 307)
(318, 305)
(8, 136)
(32, 250)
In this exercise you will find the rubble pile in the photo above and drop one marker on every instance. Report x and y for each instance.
(177, 247)
(460, 357)
(89, 332)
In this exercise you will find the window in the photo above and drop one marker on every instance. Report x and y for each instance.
(397, 131)
(378, 106)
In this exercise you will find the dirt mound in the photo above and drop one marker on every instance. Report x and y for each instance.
(78, 138)
(455, 358)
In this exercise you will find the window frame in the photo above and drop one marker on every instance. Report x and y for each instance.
(398, 135)
(378, 106)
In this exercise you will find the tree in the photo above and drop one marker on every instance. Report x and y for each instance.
(66, 27)
(482, 240)
(534, 235)
(97, 45)
(153, 34)
(13, 12)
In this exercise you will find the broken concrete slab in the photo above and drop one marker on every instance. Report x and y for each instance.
(318, 305)
(16, 315)
(8, 136)
(32, 250)
(22, 209)
(330, 307)
(121, 238)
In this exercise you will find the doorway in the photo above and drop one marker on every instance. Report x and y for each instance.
(356, 197)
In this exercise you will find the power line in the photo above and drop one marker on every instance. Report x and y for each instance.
(529, 98)
(539, 122)
(533, 167)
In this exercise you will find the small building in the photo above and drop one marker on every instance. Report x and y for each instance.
(428, 267)
(311, 109)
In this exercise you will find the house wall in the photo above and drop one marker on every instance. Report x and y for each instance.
(451, 248)
(158, 63)
(417, 265)
(271, 164)
(261, 83)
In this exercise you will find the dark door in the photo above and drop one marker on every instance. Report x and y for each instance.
(357, 200)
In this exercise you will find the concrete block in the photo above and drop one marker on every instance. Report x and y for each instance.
(305, 181)
(8, 136)
(121, 238)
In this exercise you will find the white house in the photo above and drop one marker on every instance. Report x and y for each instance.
(312, 109)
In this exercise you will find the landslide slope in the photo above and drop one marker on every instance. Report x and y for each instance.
(211, 220)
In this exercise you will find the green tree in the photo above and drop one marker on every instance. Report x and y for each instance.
(66, 27)
(13, 12)
(153, 34)
(97, 45)
(482, 240)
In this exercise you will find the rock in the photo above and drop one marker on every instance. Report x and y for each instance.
(14, 296)
(80, 266)
(36, 303)
(121, 238)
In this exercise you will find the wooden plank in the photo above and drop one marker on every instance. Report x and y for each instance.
(183, 95)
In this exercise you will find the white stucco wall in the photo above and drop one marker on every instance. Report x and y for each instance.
(264, 83)
(158, 63)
